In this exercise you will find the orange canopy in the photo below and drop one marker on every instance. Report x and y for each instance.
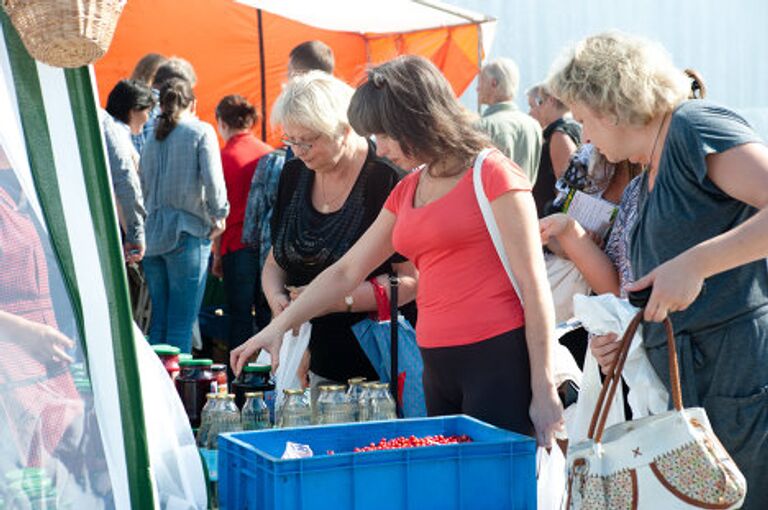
(242, 47)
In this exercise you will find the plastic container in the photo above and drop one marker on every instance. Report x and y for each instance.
(495, 471)
(255, 378)
(169, 355)
(193, 384)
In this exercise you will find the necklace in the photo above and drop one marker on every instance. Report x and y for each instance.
(426, 175)
(656, 141)
(328, 203)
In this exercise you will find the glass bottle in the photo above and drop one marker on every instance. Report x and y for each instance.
(255, 413)
(193, 384)
(206, 415)
(334, 405)
(169, 356)
(256, 378)
(296, 410)
(381, 405)
(219, 384)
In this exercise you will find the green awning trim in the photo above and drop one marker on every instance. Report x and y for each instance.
(35, 129)
(99, 190)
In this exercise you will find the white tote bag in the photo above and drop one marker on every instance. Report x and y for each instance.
(671, 460)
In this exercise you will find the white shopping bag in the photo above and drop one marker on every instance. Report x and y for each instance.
(647, 395)
(550, 478)
(291, 353)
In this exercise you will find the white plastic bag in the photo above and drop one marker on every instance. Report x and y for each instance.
(647, 395)
(550, 478)
(176, 465)
(291, 352)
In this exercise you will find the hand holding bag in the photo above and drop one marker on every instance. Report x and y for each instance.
(669, 460)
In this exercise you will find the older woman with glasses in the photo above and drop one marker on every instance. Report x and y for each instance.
(328, 196)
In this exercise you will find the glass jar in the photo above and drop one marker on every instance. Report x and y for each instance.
(256, 378)
(296, 410)
(255, 414)
(169, 355)
(353, 392)
(193, 384)
(206, 418)
(363, 401)
(219, 371)
(381, 405)
(334, 405)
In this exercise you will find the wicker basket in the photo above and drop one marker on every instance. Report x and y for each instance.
(65, 33)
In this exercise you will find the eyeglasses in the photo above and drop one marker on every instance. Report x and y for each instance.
(303, 146)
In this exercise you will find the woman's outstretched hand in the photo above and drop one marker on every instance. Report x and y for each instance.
(268, 338)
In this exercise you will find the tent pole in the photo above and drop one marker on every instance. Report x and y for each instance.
(262, 69)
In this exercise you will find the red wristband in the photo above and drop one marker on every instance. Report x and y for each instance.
(382, 301)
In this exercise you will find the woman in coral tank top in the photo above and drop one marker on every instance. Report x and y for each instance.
(483, 355)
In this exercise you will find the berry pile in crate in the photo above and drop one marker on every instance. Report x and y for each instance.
(411, 442)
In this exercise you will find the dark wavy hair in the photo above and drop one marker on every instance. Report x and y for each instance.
(409, 100)
(129, 95)
(236, 112)
(175, 96)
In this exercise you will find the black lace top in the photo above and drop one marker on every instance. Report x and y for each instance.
(306, 241)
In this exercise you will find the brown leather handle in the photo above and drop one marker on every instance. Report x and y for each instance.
(613, 379)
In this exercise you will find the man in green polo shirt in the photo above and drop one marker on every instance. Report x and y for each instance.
(515, 133)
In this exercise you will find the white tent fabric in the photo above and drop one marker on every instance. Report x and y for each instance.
(65, 148)
(370, 17)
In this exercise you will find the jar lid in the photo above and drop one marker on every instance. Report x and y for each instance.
(218, 367)
(211, 395)
(356, 380)
(184, 355)
(293, 391)
(254, 394)
(332, 387)
(166, 350)
(379, 385)
(369, 384)
(253, 367)
(203, 362)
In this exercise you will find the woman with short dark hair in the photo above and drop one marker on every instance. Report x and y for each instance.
(130, 102)
(236, 263)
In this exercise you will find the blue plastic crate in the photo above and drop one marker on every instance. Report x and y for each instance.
(495, 471)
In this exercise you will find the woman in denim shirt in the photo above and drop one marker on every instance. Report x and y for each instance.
(186, 203)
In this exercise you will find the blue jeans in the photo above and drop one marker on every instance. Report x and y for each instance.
(242, 286)
(176, 283)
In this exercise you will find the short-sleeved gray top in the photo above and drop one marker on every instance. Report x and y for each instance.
(686, 208)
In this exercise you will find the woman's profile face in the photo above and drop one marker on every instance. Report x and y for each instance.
(318, 151)
(609, 138)
(390, 148)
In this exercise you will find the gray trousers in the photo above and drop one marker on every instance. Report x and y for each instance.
(725, 370)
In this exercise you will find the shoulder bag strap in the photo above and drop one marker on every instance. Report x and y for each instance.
(490, 220)
(613, 379)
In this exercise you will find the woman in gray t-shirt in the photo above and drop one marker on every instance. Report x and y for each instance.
(701, 236)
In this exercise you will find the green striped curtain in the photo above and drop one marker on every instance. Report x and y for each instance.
(52, 132)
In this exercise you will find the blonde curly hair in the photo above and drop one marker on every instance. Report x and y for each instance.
(626, 77)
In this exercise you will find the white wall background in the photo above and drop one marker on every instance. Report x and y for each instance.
(726, 41)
